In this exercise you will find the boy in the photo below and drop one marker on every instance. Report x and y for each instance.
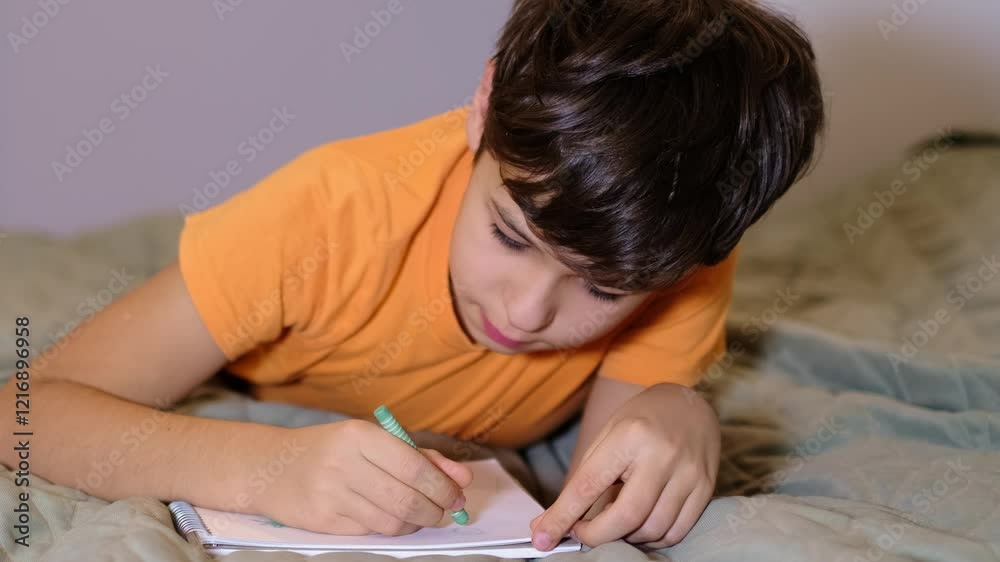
(567, 243)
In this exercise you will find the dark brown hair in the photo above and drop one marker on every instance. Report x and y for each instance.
(643, 137)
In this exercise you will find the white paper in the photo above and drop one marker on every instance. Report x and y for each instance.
(499, 512)
(511, 551)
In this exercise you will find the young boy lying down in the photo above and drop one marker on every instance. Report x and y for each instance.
(565, 245)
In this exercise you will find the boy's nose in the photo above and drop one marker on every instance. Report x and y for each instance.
(531, 310)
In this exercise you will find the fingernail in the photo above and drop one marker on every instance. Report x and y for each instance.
(542, 541)
(572, 534)
(459, 503)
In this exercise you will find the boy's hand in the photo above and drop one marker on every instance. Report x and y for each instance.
(355, 478)
(664, 445)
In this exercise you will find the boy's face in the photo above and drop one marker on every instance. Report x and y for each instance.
(512, 292)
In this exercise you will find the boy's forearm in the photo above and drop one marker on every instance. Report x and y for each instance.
(111, 448)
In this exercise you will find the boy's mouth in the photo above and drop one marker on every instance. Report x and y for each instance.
(496, 335)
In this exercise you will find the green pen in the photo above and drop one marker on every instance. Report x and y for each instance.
(389, 423)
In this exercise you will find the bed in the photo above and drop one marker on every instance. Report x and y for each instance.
(860, 422)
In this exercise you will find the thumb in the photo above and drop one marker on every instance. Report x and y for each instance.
(461, 474)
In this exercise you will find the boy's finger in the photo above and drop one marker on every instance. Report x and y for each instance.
(600, 505)
(627, 513)
(692, 510)
(413, 468)
(461, 474)
(594, 476)
(396, 498)
(664, 513)
(603, 502)
(369, 516)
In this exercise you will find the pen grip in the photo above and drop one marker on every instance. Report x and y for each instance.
(389, 423)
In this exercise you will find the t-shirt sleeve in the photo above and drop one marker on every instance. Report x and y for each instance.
(258, 264)
(678, 335)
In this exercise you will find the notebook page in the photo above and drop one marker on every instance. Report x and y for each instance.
(521, 550)
(499, 513)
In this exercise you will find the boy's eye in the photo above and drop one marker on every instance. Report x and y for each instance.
(601, 295)
(516, 246)
(507, 240)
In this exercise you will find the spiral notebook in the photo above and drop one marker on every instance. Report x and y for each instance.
(499, 513)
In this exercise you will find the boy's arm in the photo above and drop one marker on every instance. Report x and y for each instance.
(113, 449)
(94, 405)
(606, 397)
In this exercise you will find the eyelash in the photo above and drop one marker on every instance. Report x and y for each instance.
(512, 244)
(601, 295)
(507, 240)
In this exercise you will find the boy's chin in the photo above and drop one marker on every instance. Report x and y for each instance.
(497, 348)
(502, 349)
(484, 340)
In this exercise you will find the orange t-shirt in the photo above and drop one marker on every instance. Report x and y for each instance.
(326, 286)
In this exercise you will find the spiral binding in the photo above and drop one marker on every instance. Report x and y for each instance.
(187, 519)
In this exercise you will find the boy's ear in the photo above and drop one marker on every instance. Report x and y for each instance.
(480, 101)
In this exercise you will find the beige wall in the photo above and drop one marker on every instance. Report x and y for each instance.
(940, 68)
(228, 72)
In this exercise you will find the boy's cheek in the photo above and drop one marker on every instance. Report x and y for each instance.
(581, 322)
